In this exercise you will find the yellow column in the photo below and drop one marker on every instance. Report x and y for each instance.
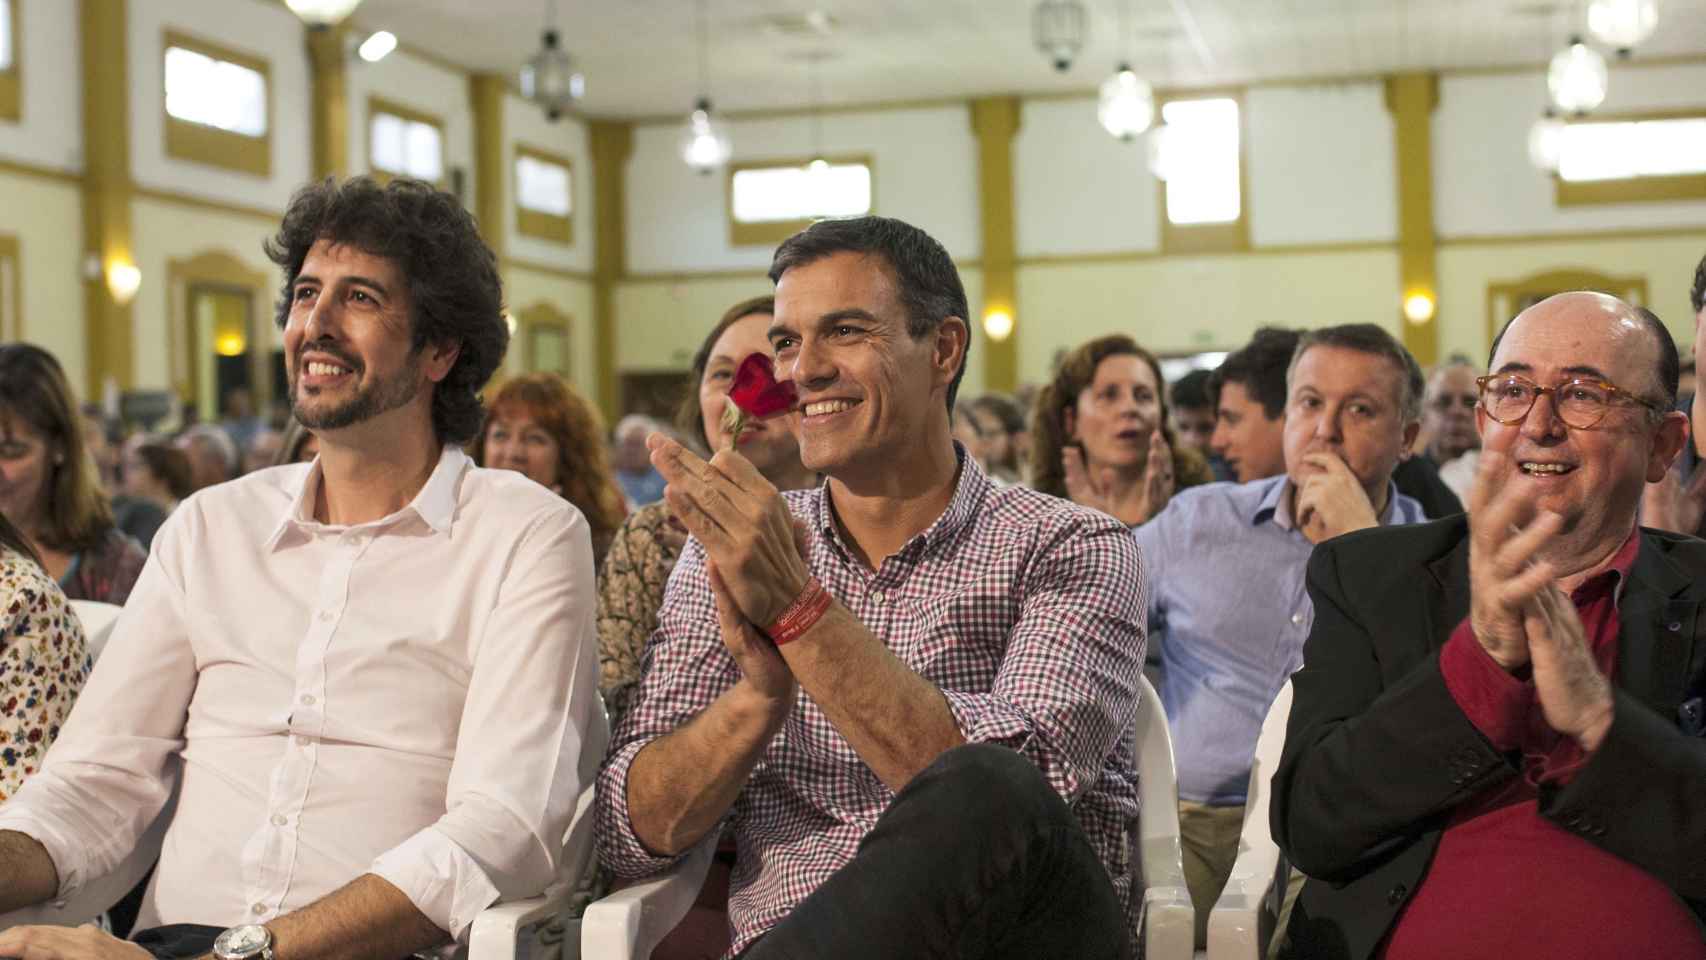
(611, 144)
(1412, 97)
(107, 324)
(329, 89)
(491, 199)
(995, 120)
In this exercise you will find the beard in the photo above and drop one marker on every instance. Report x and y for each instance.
(370, 400)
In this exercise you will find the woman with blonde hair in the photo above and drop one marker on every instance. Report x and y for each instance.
(49, 487)
(539, 426)
(1100, 435)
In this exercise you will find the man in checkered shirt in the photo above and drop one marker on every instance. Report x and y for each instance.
(940, 764)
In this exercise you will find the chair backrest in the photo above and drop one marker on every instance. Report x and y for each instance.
(98, 620)
(1157, 777)
(1269, 745)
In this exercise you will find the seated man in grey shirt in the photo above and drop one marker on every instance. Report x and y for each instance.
(1226, 563)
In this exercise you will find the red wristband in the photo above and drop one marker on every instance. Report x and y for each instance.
(803, 614)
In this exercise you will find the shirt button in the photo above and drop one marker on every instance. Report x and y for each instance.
(879, 596)
(279, 820)
(1674, 626)
(1297, 619)
(308, 699)
(258, 909)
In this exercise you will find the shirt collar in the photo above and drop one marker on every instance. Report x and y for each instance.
(1276, 504)
(1617, 575)
(434, 504)
(970, 486)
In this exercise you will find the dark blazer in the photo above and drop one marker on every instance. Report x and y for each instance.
(1378, 754)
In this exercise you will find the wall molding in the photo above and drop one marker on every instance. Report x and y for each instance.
(1595, 236)
(561, 273)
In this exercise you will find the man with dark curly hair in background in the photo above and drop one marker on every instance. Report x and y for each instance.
(324, 658)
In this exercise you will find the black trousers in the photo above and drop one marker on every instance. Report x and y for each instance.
(178, 941)
(977, 858)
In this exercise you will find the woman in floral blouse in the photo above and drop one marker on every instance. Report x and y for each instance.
(630, 585)
(43, 660)
(51, 490)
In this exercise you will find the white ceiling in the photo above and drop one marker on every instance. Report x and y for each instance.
(640, 56)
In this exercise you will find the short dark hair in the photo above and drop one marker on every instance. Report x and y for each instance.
(1260, 368)
(929, 283)
(1191, 391)
(452, 276)
(1697, 294)
(1670, 364)
(171, 466)
(1374, 340)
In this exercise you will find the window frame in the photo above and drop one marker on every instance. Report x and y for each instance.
(211, 146)
(1199, 238)
(773, 232)
(378, 105)
(534, 223)
(1661, 189)
(12, 78)
(11, 288)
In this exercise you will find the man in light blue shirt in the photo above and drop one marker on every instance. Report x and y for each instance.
(1225, 565)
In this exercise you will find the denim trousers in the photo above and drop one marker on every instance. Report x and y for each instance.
(977, 858)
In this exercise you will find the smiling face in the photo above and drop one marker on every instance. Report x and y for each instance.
(1251, 442)
(516, 441)
(348, 347)
(1347, 402)
(769, 444)
(1592, 477)
(870, 394)
(26, 472)
(1114, 416)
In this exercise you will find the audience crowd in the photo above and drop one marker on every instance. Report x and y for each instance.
(881, 651)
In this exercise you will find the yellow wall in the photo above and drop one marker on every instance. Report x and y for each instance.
(1467, 267)
(46, 216)
(1190, 304)
(522, 289)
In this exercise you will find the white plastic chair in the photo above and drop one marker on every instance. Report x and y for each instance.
(628, 924)
(1169, 922)
(1242, 921)
(98, 620)
(495, 934)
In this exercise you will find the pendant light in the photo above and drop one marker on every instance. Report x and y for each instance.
(1577, 78)
(1057, 28)
(549, 79)
(1623, 25)
(1126, 104)
(1546, 141)
(322, 13)
(704, 143)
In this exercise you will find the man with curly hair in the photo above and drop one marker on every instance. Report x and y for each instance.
(323, 660)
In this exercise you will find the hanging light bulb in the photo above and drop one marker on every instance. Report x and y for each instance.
(1577, 78)
(1057, 27)
(1623, 24)
(322, 13)
(704, 145)
(1127, 104)
(550, 79)
(1156, 145)
(1546, 141)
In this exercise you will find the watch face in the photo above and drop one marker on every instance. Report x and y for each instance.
(244, 941)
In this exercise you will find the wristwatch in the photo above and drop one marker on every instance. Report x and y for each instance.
(250, 941)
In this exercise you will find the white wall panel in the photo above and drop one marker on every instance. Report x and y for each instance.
(1322, 167)
(418, 85)
(525, 124)
(1078, 190)
(50, 130)
(925, 172)
(47, 218)
(265, 30)
(1483, 182)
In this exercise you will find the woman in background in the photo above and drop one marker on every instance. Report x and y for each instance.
(1100, 435)
(48, 484)
(539, 426)
(43, 660)
(156, 476)
(630, 587)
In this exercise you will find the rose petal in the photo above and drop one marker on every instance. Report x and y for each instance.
(756, 390)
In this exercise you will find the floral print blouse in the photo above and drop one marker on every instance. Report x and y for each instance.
(43, 663)
(630, 591)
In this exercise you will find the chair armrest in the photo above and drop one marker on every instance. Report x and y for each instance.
(1169, 921)
(496, 931)
(1241, 923)
(629, 922)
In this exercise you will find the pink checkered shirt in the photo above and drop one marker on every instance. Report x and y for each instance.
(1024, 610)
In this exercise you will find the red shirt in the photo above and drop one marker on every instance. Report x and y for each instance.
(1506, 882)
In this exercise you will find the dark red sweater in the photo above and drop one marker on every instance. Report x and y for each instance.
(1507, 883)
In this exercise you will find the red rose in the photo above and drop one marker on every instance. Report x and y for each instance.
(756, 394)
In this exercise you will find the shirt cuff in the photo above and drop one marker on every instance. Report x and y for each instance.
(619, 847)
(984, 719)
(58, 838)
(1497, 703)
(439, 878)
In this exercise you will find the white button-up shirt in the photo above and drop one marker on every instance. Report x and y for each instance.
(405, 697)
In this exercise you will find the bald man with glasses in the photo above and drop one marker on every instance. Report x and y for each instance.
(1497, 746)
